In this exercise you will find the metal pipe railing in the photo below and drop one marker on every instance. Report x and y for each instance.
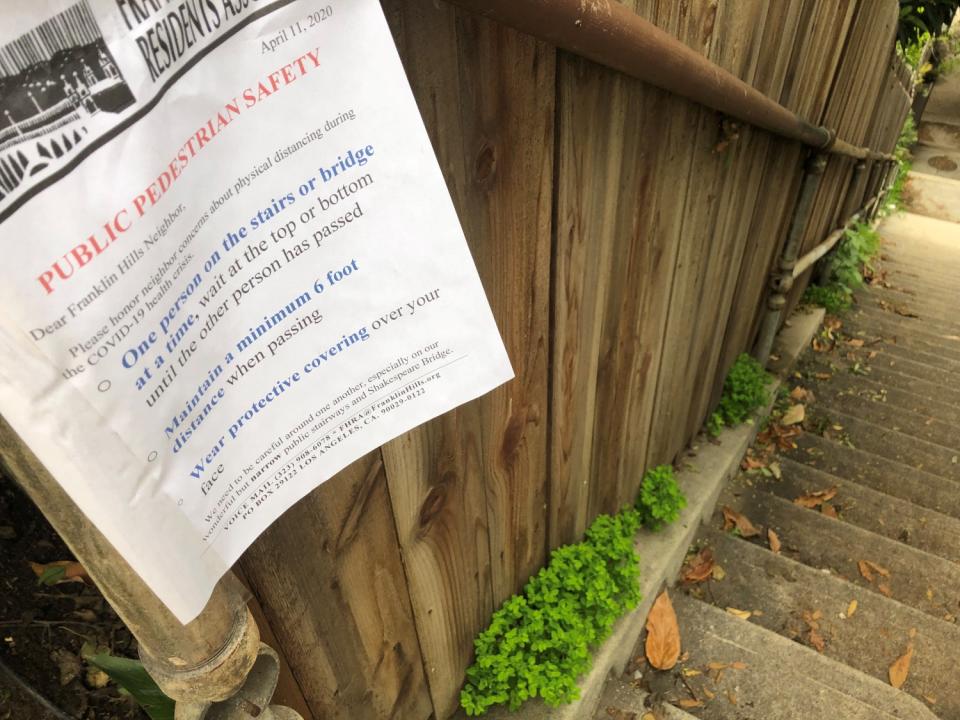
(613, 35)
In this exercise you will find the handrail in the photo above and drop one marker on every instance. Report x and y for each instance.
(613, 35)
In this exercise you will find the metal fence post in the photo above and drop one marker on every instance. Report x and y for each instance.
(852, 202)
(208, 666)
(781, 280)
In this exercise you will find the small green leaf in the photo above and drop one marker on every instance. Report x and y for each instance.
(131, 676)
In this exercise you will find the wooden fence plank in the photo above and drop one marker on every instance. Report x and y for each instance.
(469, 489)
(329, 578)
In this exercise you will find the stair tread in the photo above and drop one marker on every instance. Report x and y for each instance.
(892, 444)
(928, 490)
(873, 510)
(917, 579)
(783, 680)
(869, 641)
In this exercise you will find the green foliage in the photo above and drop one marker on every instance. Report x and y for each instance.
(538, 643)
(852, 256)
(744, 390)
(660, 500)
(834, 298)
(923, 17)
(133, 679)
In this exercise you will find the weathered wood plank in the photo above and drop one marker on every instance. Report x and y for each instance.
(329, 578)
(469, 489)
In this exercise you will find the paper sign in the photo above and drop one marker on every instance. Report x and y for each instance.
(231, 265)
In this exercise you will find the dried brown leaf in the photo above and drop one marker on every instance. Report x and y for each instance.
(700, 567)
(733, 519)
(829, 510)
(865, 570)
(852, 608)
(816, 640)
(663, 634)
(901, 668)
(774, 541)
(877, 568)
(742, 614)
(795, 414)
(688, 703)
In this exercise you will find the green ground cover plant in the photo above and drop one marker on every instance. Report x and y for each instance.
(660, 500)
(744, 390)
(538, 643)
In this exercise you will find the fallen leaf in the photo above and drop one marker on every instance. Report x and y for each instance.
(742, 614)
(688, 703)
(733, 519)
(816, 640)
(855, 342)
(774, 468)
(822, 376)
(700, 567)
(719, 573)
(884, 589)
(794, 415)
(812, 500)
(663, 634)
(901, 668)
(732, 697)
(60, 571)
(774, 541)
(96, 678)
(798, 394)
(709, 694)
(829, 510)
(68, 664)
(877, 568)
(690, 672)
(950, 337)
(738, 665)
(865, 570)
(851, 608)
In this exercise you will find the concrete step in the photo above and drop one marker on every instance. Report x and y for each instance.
(895, 278)
(901, 360)
(938, 161)
(779, 591)
(904, 365)
(938, 332)
(870, 509)
(623, 699)
(873, 385)
(906, 333)
(870, 407)
(888, 443)
(917, 277)
(879, 473)
(782, 680)
(933, 196)
(883, 375)
(918, 579)
(940, 134)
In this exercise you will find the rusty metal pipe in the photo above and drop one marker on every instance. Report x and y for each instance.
(611, 34)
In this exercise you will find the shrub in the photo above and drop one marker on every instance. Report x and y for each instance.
(538, 643)
(744, 390)
(660, 500)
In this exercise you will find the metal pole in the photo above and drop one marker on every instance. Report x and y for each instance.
(200, 664)
(782, 280)
(611, 34)
(852, 202)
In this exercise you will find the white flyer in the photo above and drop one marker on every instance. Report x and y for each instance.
(231, 265)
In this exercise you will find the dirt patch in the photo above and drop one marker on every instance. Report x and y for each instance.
(942, 163)
(43, 628)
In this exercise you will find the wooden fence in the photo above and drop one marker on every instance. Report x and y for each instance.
(625, 238)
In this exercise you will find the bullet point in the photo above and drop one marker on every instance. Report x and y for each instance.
(103, 386)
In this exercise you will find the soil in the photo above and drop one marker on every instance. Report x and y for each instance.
(42, 628)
